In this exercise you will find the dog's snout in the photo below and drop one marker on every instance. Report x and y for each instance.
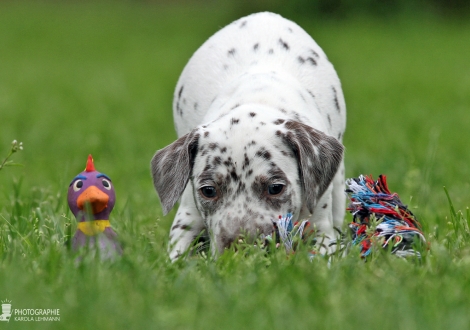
(242, 230)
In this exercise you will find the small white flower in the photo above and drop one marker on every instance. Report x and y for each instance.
(15, 146)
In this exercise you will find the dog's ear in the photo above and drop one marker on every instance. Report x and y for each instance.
(318, 155)
(171, 168)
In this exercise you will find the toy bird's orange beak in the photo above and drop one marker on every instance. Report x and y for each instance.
(97, 199)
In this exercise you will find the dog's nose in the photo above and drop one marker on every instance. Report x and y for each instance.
(244, 233)
(227, 242)
(224, 241)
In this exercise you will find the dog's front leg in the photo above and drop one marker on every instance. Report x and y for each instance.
(322, 219)
(186, 227)
(339, 198)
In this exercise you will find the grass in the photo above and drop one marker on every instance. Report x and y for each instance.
(80, 78)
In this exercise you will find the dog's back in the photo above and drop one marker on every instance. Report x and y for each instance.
(260, 42)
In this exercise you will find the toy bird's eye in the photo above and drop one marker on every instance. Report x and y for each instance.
(77, 185)
(275, 189)
(106, 184)
(209, 192)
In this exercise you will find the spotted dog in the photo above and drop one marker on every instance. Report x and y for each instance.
(260, 116)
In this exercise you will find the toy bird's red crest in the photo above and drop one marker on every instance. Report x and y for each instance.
(90, 167)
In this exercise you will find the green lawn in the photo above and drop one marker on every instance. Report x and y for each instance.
(80, 78)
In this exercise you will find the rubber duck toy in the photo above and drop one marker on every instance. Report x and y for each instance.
(91, 198)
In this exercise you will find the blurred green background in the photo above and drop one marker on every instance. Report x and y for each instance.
(98, 77)
(81, 77)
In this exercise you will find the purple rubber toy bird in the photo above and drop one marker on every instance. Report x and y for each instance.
(91, 198)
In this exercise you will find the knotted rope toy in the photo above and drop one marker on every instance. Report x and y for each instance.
(396, 227)
(91, 198)
(378, 215)
(287, 233)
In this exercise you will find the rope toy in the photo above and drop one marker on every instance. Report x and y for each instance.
(372, 204)
(288, 233)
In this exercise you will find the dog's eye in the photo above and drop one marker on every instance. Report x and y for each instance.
(275, 189)
(209, 192)
(77, 185)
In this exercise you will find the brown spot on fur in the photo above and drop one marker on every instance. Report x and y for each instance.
(217, 161)
(336, 99)
(234, 176)
(263, 153)
(314, 53)
(228, 162)
(311, 61)
(284, 44)
(180, 91)
(241, 188)
(246, 162)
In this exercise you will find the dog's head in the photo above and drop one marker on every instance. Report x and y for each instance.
(245, 170)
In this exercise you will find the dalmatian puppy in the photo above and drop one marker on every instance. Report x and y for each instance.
(260, 116)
